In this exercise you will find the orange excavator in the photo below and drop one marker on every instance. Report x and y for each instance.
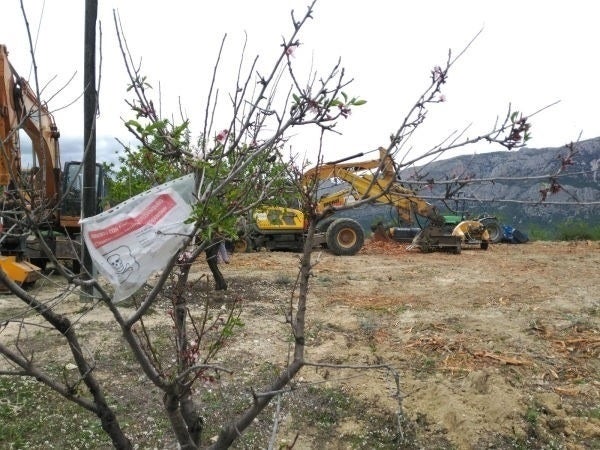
(41, 194)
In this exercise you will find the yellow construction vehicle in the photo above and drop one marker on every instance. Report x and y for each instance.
(41, 194)
(284, 228)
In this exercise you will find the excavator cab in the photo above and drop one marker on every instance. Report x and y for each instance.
(63, 236)
(72, 189)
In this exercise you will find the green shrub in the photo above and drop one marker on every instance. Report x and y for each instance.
(538, 233)
(569, 230)
(577, 230)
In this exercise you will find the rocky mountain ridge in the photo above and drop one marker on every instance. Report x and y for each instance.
(521, 179)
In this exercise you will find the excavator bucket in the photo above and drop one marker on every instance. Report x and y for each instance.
(21, 272)
(433, 238)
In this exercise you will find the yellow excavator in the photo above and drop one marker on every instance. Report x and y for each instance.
(276, 227)
(42, 193)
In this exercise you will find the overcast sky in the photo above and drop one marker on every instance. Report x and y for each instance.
(530, 54)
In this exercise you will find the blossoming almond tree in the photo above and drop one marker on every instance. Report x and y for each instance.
(238, 163)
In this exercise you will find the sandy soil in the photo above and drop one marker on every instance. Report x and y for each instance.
(494, 349)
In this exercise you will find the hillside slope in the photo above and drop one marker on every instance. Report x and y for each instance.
(502, 197)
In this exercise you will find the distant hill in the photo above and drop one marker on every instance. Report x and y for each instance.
(582, 186)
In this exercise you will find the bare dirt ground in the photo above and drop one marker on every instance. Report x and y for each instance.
(494, 349)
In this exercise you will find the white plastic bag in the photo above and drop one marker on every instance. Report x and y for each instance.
(129, 242)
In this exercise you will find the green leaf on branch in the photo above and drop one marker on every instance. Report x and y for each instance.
(134, 124)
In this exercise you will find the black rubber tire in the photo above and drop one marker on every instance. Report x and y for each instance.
(494, 229)
(323, 225)
(520, 238)
(484, 245)
(344, 237)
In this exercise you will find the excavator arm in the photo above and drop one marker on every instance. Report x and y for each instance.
(9, 137)
(383, 188)
(384, 163)
(20, 109)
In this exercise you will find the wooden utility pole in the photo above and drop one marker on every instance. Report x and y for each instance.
(90, 107)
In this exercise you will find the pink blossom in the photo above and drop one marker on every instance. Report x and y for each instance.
(222, 136)
(289, 51)
(438, 75)
(345, 111)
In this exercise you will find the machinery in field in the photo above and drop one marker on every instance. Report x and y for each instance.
(276, 227)
(43, 194)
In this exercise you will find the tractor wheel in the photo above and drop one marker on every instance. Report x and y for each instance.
(345, 237)
(484, 245)
(494, 229)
